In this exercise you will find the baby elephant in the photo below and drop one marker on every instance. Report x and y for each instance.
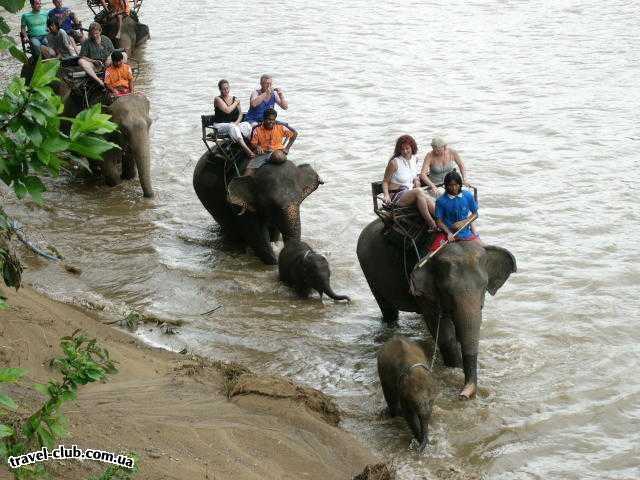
(305, 270)
(407, 384)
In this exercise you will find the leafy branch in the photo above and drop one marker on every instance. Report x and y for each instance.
(83, 362)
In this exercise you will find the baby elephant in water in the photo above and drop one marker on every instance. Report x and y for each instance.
(407, 384)
(305, 270)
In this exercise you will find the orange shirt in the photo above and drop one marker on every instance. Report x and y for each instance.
(273, 139)
(118, 77)
(119, 6)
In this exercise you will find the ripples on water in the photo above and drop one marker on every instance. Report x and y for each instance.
(540, 99)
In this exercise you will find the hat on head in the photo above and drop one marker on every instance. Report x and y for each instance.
(438, 142)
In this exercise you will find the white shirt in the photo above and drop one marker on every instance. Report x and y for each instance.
(406, 171)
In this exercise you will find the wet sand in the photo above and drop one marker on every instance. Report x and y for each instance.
(173, 409)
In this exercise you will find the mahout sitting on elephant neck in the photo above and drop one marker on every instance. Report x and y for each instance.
(408, 385)
(305, 270)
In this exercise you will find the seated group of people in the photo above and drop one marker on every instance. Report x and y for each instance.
(56, 34)
(51, 33)
(268, 139)
(451, 207)
(98, 51)
(36, 27)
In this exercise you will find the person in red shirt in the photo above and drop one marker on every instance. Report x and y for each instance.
(271, 142)
(118, 77)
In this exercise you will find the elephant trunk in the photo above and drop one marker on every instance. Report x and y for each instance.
(467, 317)
(140, 148)
(329, 291)
(288, 222)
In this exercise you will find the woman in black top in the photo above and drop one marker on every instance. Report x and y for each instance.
(228, 116)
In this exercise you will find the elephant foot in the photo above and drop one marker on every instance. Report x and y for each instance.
(468, 392)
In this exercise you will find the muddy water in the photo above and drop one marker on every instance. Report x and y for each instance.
(540, 99)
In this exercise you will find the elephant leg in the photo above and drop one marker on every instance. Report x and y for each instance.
(111, 167)
(303, 291)
(470, 368)
(389, 311)
(393, 402)
(256, 235)
(448, 342)
(274, 234)
(414, 424)
(128, 168)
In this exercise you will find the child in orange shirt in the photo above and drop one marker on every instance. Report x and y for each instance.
(118, 77)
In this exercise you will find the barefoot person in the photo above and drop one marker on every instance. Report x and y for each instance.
(228, 116)
(118, 77)
(95, 51)
(400, 185)
(264, 98)
(453, 209)
(271, 142)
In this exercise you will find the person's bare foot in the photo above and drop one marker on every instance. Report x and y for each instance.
(468, 392)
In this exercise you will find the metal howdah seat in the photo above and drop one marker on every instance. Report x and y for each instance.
(223, 144)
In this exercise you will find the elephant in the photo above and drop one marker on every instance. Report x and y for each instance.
(305, 270)
(131, 114)
(449, 291)
(132, 35)
(255, 209)
(407, 385)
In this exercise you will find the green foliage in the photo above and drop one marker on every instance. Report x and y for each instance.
(31, 143)
(83, 362)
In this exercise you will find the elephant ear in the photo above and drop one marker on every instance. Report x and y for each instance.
(500, 265)
(240, 193)
(422, 284)
(309, 180)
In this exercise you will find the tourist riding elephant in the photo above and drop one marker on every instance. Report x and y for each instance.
(255, 209)
(132, 35)
(449, 291)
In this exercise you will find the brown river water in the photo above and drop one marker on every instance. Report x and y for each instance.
(540, 98)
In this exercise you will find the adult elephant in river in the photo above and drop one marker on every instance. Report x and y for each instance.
(449, 291)
(131, 114)
(255, 209)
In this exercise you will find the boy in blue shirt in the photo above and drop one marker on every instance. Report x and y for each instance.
(453, 210)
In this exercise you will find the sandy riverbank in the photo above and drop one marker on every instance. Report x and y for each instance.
(173, 409)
